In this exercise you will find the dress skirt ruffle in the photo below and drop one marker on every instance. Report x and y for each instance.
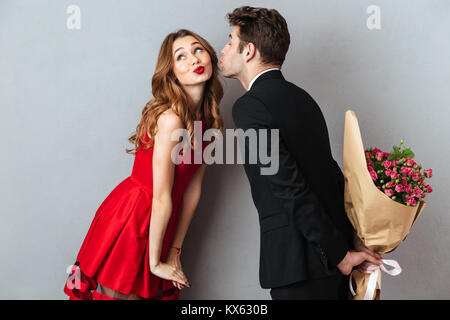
(115, 251)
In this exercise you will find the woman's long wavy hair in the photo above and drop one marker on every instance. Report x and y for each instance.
(168, 93)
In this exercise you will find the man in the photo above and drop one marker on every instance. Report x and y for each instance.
(306, 237)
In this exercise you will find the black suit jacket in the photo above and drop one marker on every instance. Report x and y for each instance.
(304, 230)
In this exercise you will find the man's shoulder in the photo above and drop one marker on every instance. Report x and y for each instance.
(250, 108)
(277, 87)
(247, 100)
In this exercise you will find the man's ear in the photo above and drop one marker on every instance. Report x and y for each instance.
(249, 51)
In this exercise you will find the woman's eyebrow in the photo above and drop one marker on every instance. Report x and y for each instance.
(178, 49)
(195, 42)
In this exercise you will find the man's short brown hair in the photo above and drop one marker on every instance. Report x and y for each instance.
(265, 28)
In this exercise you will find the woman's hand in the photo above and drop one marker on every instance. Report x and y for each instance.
(365, 267)
(173, 258)
(169, 272)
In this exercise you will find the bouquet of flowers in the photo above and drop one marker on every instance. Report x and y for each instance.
(398, 175)
(383, 198)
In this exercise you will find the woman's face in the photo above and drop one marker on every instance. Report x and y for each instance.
(191, 61)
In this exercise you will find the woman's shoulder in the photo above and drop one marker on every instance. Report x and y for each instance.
(169, 120)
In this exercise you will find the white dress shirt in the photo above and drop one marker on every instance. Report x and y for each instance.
(256, 77)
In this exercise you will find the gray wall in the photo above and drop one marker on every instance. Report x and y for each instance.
(70, 99)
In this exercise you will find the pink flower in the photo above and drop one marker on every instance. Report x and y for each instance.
(386, 154)
(411, 201)
(367, 154)
(387, 164)
(389, 192)
(428, 173)
(417, 191)
(411, 172)
(394, 175)
(390, 184)
(388, 172)
(398, 188)
(407, 188)
(415, 178)
(424, 195)
(410, 162)
(394, 163)
(429, 189)
(404, 182)
(373, 174)
(376, 150)
(379, 155)
(404, 170)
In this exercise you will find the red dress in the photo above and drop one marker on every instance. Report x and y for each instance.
(115, 251)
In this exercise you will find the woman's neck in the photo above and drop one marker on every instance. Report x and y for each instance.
(195, 93)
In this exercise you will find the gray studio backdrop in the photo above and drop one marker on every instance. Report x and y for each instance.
(70, 98)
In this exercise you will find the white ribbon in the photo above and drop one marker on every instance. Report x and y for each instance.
(373, 279)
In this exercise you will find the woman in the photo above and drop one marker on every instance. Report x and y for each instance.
(127, 255)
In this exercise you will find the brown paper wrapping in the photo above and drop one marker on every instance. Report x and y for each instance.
(380, 222)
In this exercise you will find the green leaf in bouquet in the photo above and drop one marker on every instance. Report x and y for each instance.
(407, 153)
(391, 157)
(394, 155)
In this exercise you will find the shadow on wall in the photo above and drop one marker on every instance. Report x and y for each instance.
(197, 260)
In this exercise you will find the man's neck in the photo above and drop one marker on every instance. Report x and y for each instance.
(251, 73)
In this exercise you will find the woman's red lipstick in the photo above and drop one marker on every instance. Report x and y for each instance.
(199, 70)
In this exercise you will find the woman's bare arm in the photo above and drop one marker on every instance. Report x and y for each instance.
(163, 174)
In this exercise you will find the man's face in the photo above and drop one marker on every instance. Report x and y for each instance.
(232, 62)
